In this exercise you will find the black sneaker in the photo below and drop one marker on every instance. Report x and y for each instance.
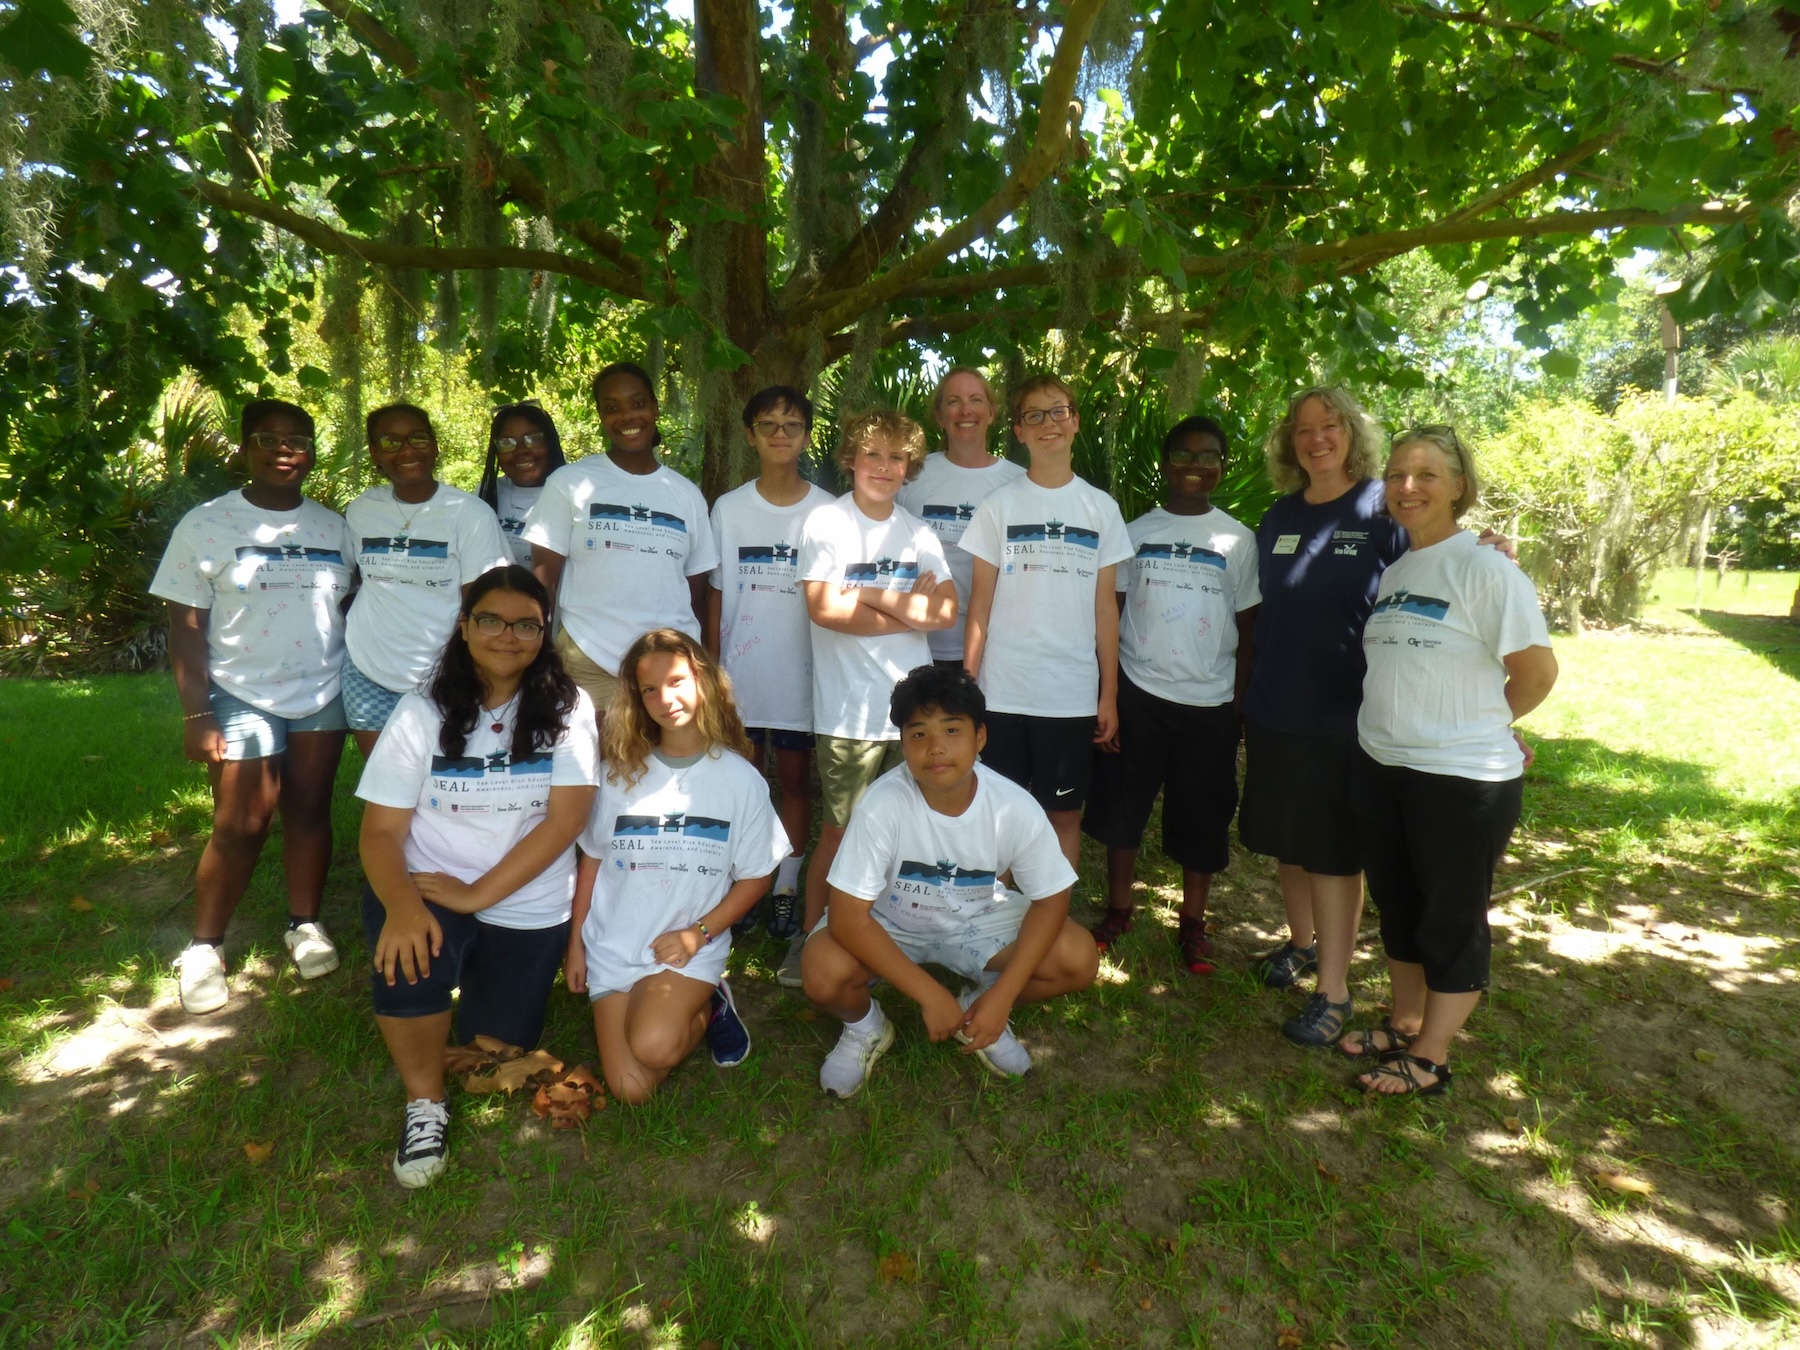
(745, 926)
(783, 915)
(1319, 1023)
(726, 1035)
(424, 1151)
(1286, 964)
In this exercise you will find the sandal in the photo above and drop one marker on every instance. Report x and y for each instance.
(1400, 1066)
(1319, 1023)
(1396, 1040)
(1196, 950)
(1110, 929)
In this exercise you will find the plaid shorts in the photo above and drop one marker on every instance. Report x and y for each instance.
(367, 705)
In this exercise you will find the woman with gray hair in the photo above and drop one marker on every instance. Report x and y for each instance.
(1456, 650)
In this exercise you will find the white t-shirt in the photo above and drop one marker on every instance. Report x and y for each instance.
(1049, 545)
(669, 848)
(1185, 585)
(514, 505)
(272, 584)
(1434, 695)
(415, 559)
(765, 638)
(945, 496)
(632, 541)
(931, 873)
(853, 677)
(470, 812)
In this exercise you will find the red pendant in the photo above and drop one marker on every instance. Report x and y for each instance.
(498, 726)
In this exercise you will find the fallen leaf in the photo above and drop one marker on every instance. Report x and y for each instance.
(1327, 1173)
(497, 1048)
(568, 1102)
(1284, 1259)
(1145, 1304)
(1166, 1244)
(80, 905)
(107, 928)
(1289, 1339)
(1705, 1056)
(807, 1015)
(1624, 1183)
(258, 1154)
(513, 1074)
(5, 983)
(86, 1191)
(1093, 1265)
(1514, 1125)
(897, 1266)
(160, 837)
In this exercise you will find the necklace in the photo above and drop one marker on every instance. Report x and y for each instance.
(500, 714)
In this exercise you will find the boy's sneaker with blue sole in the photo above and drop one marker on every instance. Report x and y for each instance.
(726, 1035)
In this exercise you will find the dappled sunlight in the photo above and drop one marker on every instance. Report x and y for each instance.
(339, 1273)
(753, 1224)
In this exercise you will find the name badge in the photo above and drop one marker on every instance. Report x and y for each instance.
(1286, 543)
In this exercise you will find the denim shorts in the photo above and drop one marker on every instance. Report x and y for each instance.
(784, 740)
(367, 705)
(251, 733)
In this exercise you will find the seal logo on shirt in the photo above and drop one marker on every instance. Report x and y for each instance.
(480, 766)
(1182, 552)
(935, 515)
(614, 513)
(882, 574)
(406, 547)
(671, 823)
(1405, 602)
(290, 553)
(944, 873)
(767, 555)
(1053, 531)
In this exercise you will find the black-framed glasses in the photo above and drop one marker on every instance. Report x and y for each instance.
(1204, 459)
(274, 440)
(492, 625)
(418, 440)
(1062, 412)
(531, 440)
(791, 430)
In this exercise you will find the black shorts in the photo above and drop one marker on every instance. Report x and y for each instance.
(1297, 800)
(1430, 844)
(505, 975)
(784, 740)
(1188, 754)
(1050, 757)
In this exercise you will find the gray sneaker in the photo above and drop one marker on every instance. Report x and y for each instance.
(853, 1058)
(1006, 1057)
(788, 976)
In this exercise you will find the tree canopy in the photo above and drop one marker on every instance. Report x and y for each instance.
(1197, 194)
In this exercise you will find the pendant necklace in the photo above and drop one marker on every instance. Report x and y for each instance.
(499, 714)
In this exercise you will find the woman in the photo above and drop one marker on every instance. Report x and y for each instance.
(682, 843)
(1457, 651)
(419, 544)
(623, 543)
(256, 582)
(476, 792)
(523, 450)
(954, 481)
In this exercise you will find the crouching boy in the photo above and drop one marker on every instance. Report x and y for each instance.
(921, 879)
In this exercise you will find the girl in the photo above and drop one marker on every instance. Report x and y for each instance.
(256, 582)
(523, 450)
(419, 544)
(476, 793)
(682, 843)
(621, 541)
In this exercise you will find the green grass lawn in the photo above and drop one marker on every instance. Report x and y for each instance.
(1173, 1173)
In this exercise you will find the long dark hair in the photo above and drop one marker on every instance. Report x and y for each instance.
(546, 693)
(489, 491)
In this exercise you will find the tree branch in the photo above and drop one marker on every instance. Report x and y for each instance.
(1052, 137)
(329, 239)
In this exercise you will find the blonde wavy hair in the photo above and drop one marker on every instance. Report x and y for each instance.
(630, 733)
(886, 424)
(1284, 466)
(1457, 455)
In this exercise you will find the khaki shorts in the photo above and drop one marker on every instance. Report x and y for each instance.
(847, 768)
(586, 672)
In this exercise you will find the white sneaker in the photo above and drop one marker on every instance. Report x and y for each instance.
(1006, 1057)
(788, 976)
(202, 970)
(312, 949)
(424, 1152)
(853, 1058)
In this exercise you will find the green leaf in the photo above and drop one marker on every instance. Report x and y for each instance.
(1560, 365)
(43, 35)
(311, 377)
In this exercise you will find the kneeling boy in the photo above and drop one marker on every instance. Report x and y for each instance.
(921, 878)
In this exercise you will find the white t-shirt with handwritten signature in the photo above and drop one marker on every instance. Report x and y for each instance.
(1188, 579)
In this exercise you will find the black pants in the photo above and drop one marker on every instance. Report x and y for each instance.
(505, 975)
(1430, 843)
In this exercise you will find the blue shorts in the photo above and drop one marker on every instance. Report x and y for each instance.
(784, 740)
(251, 733)
(367, 705)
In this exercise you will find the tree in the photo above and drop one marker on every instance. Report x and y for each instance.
(1197, 192)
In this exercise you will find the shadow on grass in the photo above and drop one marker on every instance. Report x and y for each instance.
(1172, 1172)
(1774, 638)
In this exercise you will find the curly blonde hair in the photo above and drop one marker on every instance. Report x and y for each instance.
(630, 733)
(1284, 466)
(864, 429)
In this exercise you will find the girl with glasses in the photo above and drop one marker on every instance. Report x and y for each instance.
(523, 450)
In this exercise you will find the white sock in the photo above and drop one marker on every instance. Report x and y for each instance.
(870, 1022)
(787, 876)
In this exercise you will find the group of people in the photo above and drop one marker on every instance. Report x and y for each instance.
(566, 686)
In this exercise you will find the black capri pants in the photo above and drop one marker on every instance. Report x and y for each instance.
(1430, 844)
(505, 975)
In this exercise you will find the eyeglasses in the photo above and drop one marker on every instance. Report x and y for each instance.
(418, 440)
(790, 430)
(492, 625)
(1202, 459)
(531, 440)
(274, 440)
(1062, 412)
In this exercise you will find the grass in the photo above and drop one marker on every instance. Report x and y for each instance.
(1172, 1174)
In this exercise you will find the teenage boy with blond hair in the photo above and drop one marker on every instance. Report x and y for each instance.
(876, 583)
(1042, 630)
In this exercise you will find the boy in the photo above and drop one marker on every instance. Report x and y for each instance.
(920, 879)
(876, 583)
(756, 623)
(1188, 600)
(1043, 626)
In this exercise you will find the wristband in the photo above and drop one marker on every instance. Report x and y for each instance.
(705, 937)
(195, 716)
